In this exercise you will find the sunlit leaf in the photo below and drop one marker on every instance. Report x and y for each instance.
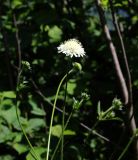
(57, 130)
(71, 87)
(55, 34)
(38, 150)
(20, 148)
(69, 133)
(9, 94)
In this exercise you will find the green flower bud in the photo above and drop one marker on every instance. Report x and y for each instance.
(77, 66)
(117, 104)
(26, 65)
(85, 96)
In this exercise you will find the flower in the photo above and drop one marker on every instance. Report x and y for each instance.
(71, 47)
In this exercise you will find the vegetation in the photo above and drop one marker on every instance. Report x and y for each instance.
(57, 107)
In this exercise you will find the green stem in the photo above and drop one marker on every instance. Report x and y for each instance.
(53, 155)
(52, 116)
(107, 111)
(62, 135)
(33, 153)
(63, 120)
(127, 146)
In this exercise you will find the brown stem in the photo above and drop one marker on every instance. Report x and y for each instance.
(126, 88)
(115, 22)
(131, 119)
(113, 52)
(18, 42)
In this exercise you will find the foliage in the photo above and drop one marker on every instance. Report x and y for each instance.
(42, 25)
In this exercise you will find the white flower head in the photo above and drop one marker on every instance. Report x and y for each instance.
(72, 48)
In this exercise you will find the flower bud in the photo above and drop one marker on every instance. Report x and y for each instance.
(77, 66)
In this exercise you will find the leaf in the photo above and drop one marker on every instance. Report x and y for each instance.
(56, 130)
(9, 94)
(69, 133)
(9, 115)
(16, 3)
(18, 137)
(17, 125)
(20, 148)
(104, 3)
(5, 134)
(38, 150)
(36, 110)
(71, 87)
(6, 157)
(55, 34)
(35, 124)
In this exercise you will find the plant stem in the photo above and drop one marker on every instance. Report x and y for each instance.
(127, 146)
(63, 120)
(52, 116)
(66, 124)
(32, 148)
(17, 87)
(111, 45)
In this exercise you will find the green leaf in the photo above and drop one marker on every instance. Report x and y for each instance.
(55, 34)
(18, 137)
(16, 124)
(38, 150)
(9, 94)
(9, 115)
(5, 134)
(69, 133)
(20, 148)
(104, 3)
(35, 124)
(71, 87)
(16, 3)
(36, 110)
(56, 130)
(6, 157)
